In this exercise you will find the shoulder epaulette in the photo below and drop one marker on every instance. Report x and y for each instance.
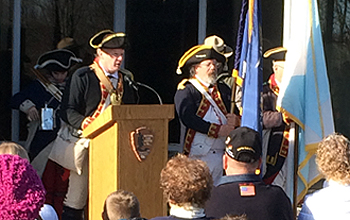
(181, 85)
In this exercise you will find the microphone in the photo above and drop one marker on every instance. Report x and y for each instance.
(135, 85)
(131, 82)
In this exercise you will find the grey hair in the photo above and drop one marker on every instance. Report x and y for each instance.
(192, 71)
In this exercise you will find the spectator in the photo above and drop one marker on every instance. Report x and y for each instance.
(121, 205)
(22, 193)
(13, 148)
(242, 190)
(186, 184)
(47, 212)
(333, 161)
(234, 217)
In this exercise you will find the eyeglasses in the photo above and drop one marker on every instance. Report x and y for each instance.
(207, 63)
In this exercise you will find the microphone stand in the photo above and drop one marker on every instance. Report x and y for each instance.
(150, 88)
(135, 86)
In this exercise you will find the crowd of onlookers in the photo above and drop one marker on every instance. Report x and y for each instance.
(188, 186)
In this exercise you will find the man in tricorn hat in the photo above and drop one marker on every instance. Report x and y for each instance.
(224, 76)
(220, 46)
(202, 106)
(89, 91)
(242, 190)
(275, 126)
(42, 94)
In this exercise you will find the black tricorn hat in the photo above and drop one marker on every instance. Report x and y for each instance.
(59, 60)
(108, 39)
(244, 140)
(277, 53)
(196, 55)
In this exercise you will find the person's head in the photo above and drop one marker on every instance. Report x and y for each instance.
(121, 204)
(47, 212)
(234, 217)
(13, 148)
(219, 45)
(243, 151)
(278, 69)
(110, 48)
(22, 193)
(333, 158)
(277, 55)
(57, 63)
(201, 61)
(66, 43)
(70, 44)
(186, 182)
(205, 70)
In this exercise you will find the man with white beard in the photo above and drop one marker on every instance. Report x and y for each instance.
(202, 106)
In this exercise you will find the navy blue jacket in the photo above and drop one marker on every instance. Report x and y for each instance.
(270, 202)
(83, 94)
(187, 102)
(36, 93)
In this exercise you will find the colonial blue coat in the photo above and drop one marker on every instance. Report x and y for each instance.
(191, 106)
(83, 95)
(36, 95)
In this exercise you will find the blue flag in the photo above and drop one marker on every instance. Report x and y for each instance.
(249, 57)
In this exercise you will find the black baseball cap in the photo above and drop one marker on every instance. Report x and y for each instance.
(244, 141)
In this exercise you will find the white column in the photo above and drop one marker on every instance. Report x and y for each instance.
(119, 18)
(119, 15)
(202, 21)
(16, 68)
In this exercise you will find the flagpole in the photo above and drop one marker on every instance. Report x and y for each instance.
(233, 95)
(296, 164)
(237, 59)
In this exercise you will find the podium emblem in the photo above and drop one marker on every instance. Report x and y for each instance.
(141, 141)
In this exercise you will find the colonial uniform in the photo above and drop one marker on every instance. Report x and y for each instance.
(38, 94)
(44, 93)
(274, 132)
(80, 109)
(85, 99)
(200, 120)
(275, 126)
(200, 124)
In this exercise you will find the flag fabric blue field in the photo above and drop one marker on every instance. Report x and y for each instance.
(304, 94)
(250, 68)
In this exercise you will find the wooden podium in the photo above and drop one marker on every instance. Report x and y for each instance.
(113, 164)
